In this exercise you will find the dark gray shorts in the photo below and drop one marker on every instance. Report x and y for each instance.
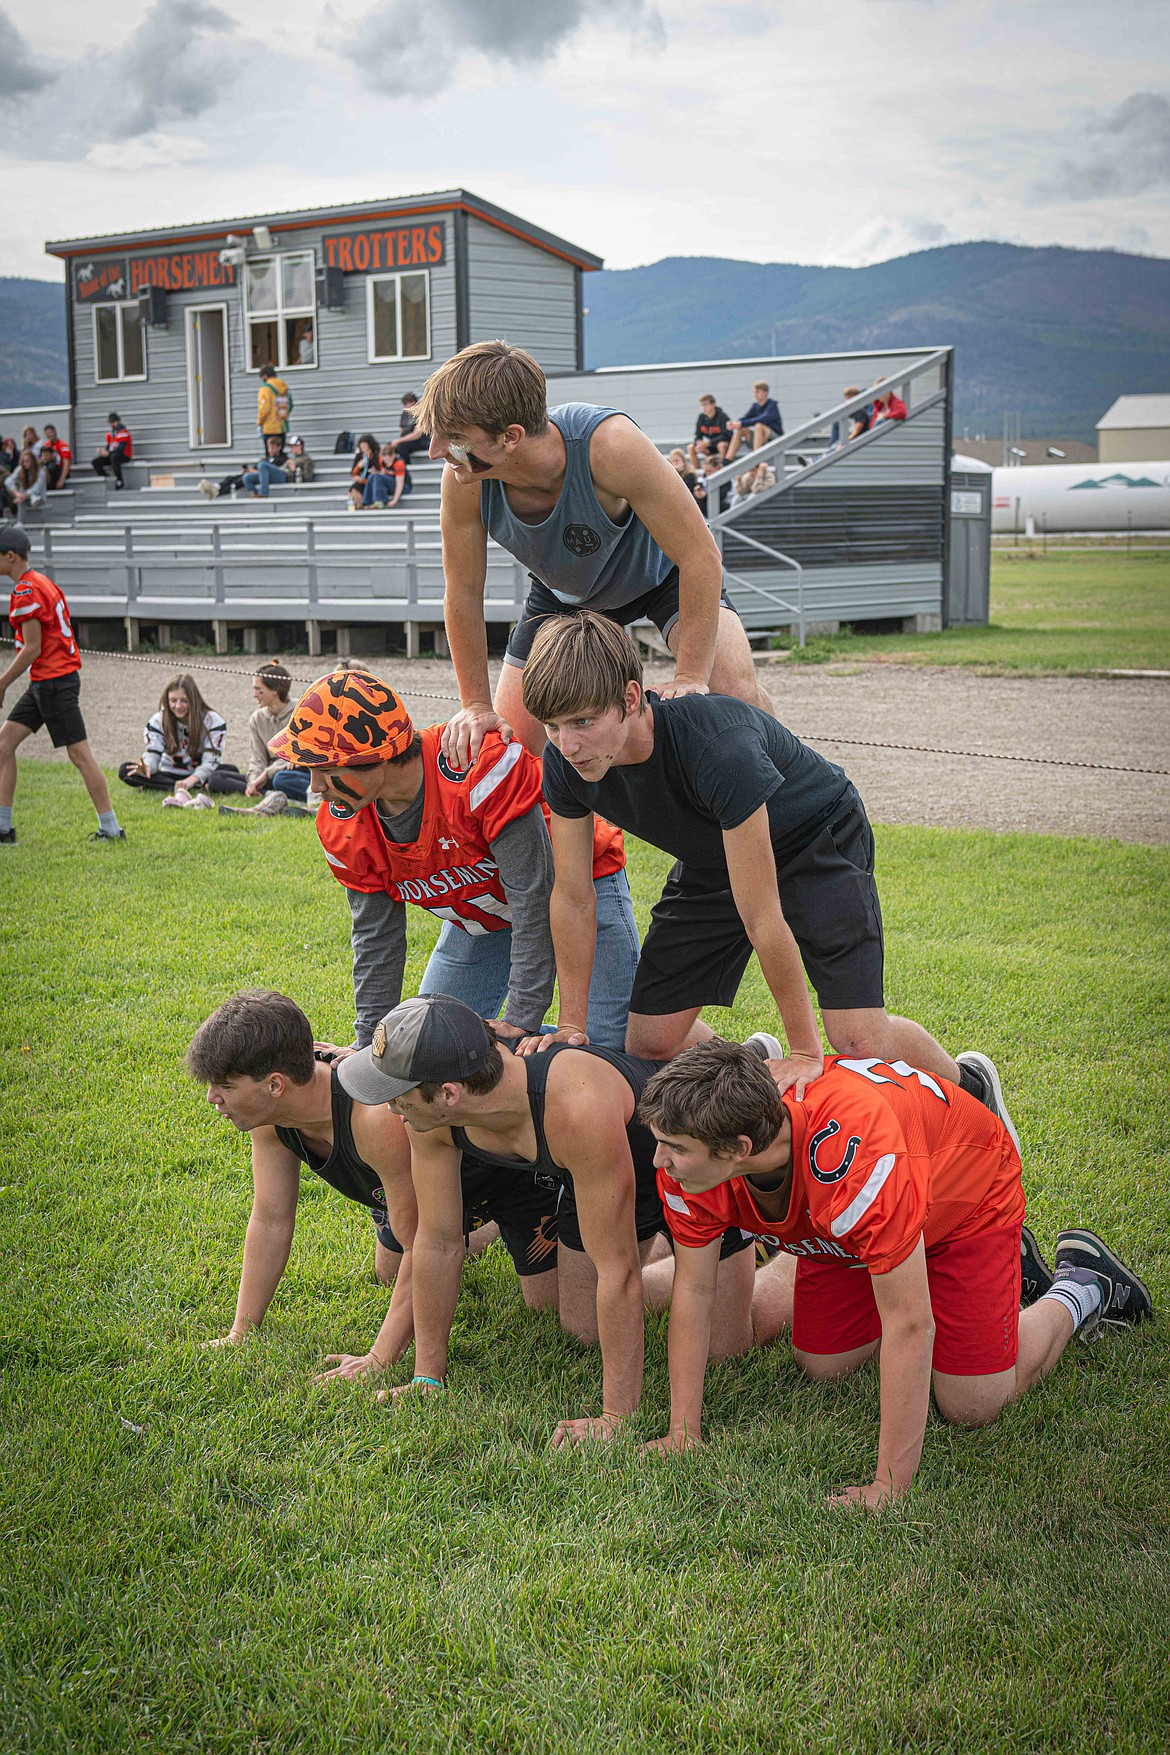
(696, 950)
(658, 605)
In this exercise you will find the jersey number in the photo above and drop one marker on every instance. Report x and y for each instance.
(904, 1071)
(63, 623)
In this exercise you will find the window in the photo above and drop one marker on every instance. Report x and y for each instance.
(281, 305)
(398, 312)
(119, 343)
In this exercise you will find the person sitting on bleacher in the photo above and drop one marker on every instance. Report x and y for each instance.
(887, 404)
(409, 438)
(56, 458)
(26, 488)
(118, 450)
(272, 465)
(387, 484)
(300, 466)
(365, 462)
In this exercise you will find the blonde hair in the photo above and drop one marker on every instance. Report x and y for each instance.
(579, 662)
(490, 385)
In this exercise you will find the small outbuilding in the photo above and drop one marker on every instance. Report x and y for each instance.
(1135, 430)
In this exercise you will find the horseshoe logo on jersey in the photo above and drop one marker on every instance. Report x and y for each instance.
(448, 772)
(815, 1144)
(580, 540)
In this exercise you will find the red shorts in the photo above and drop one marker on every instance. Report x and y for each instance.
(974, 1296)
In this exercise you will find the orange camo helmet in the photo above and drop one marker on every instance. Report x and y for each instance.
(347, 719)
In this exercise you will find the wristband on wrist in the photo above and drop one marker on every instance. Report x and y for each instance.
(435, 1382)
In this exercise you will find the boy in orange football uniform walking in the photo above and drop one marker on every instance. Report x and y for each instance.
(45, 647)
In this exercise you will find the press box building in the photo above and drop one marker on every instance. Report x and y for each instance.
(354, 304)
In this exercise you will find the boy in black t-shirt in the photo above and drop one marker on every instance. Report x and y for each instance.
(712, 433)
(774, 851)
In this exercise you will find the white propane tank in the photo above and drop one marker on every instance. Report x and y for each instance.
(1081, 496)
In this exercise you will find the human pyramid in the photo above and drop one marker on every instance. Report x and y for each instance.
(629, 1158)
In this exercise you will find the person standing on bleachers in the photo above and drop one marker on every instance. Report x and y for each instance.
(118, 450)
(273, 404)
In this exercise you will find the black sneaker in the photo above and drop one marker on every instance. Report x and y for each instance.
(1124, 1298)
(1035, 1273)
(984, 1070)
(104, 835)
(767, 1047)
(7, 837)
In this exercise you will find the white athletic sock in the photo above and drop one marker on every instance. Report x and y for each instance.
(1078, 1292)
(5, 818)
(108, 822)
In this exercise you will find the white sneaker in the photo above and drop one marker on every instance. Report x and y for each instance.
(209, 489)
(767, 1047)
(203, 801)
(180, 800)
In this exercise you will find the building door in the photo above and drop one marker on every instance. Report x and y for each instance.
(208, 396)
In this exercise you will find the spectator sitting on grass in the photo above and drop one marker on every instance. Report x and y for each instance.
(57, 459)
(184, 747)
(387, 484)
(283, 786)
(27, 486)
(409, 438)
(271, 466)
(678, 461)
(762, 421)
(886, 405)
(712, 432)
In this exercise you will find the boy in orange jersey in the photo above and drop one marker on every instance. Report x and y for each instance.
(398, 825)
(45, 647)
(900, 1197)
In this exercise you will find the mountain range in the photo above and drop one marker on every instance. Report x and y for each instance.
(1053, 334)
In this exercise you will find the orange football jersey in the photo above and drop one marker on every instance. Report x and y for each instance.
(449, 869)
(882, 1154)
(36, 598)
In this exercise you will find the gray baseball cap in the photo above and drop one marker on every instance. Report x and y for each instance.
(14, 541)
(427, 1040)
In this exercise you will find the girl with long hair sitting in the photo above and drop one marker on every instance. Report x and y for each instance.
(184, 748)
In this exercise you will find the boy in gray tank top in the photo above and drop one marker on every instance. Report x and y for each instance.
(589, 505)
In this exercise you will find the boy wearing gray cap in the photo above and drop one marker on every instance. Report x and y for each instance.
(568, 1120)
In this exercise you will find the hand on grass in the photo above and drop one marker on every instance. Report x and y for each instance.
(672, 1444)
(796, 1073)
(351, 1365)
(871, 1497)
(600, 1427)
(398, 1392)
(231, 1339)
(466, 731)
(542, 1043)
(253, 788)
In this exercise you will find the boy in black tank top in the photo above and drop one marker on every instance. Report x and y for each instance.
(568, 1120)
(256, 1055)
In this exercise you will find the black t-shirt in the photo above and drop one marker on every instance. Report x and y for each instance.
(715, 761)
(715, 428)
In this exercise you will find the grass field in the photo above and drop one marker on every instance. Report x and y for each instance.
(1070, 613)
(206, 1552)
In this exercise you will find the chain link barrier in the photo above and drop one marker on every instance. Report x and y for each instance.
(864, 743)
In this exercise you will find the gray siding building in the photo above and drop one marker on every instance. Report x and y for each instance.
(355, 305)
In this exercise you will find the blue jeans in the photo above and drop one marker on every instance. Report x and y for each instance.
(378, 489)
(263, 477)
(294, 782)
(476, 969)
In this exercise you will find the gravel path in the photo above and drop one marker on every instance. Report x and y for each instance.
(1122, 722)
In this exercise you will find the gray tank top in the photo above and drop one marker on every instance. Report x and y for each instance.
(577, 551)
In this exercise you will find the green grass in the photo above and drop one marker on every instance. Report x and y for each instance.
(205, 1552)
(1063, 613)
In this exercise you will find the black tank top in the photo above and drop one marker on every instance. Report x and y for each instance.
(344, 1169)
(642, 1143)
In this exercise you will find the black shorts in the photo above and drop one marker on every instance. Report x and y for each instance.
(649, 1219)
(523, 1206)
(696, 950)
(659, 605)
(55, 704)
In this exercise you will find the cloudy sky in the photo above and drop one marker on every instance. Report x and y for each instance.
(848, 132)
